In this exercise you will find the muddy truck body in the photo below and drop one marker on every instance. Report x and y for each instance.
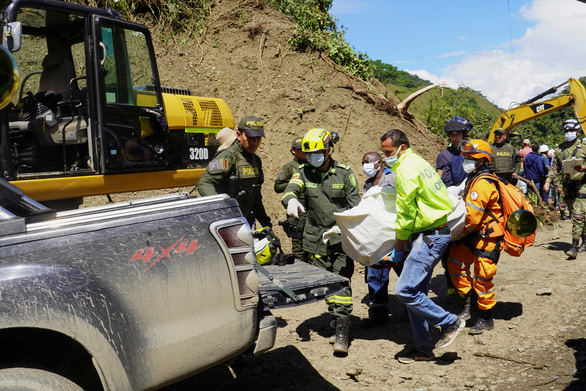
(136, 295)
(90, 116)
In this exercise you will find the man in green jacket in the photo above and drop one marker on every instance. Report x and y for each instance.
(329, 187)
(423, 206)
(237, 171)
(293, 226)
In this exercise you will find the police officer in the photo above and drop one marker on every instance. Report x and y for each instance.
(294, 226)
(506, 161)
(573, 185)
(237, 171)
(329, 187)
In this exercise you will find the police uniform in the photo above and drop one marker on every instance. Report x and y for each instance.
(505, 161)
(325, 193)
(239, 174)
(573, 187)
(281, 183)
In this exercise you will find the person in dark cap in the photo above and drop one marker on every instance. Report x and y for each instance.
(237, 171)
(293, 226)
(506, 161)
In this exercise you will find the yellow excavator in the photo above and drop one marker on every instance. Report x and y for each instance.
(534, 108)
(90, 116)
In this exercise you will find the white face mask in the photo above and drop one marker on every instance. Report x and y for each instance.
(571, 136)
(369, 169)
(469, 165)
(316, 159)
(392, 160)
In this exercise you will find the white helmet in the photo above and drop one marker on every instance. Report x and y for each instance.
(571, 124)
(543, 148)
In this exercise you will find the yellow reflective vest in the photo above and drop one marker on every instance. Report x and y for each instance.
(422, 197)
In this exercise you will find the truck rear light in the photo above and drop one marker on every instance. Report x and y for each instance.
(244, 258)
(235, 238)
(236, 235)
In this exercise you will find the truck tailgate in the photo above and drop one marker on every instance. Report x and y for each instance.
(305, 282)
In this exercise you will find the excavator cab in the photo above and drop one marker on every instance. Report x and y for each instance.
(79, 67)
(90, 116)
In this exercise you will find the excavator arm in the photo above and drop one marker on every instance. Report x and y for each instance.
(534, 108)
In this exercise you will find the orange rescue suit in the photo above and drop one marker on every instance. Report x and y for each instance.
(480, 243)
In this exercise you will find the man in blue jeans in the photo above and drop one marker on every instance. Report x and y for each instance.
(423, 206)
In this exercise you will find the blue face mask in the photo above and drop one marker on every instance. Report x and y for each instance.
(392, 160)
(316, 159)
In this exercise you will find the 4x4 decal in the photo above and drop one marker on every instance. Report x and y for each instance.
(147, 254)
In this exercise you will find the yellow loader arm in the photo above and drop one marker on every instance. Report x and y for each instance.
(535, 108)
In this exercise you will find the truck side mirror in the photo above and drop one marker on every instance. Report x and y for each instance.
(9, 76)
(12, 36)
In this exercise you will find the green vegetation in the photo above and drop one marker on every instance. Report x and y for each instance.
(389, 74)
(173, 16)
(316, 30)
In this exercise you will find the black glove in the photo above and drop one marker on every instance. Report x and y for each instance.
(282, 259)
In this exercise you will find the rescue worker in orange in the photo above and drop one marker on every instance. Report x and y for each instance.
(480, 243)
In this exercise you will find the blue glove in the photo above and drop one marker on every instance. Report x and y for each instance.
(396, 256)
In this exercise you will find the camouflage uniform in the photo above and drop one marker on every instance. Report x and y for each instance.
(239, 174)
(325, 193)
(281, 183)
(573, 187)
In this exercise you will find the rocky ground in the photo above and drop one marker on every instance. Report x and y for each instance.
(538, 342)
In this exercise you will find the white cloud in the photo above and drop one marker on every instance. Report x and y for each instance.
(547, 54)
(435, 79)
(452, 54)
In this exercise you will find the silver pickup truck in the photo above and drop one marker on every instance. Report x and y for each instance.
(135, 295)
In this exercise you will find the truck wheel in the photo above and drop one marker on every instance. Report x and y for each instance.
(28, 379)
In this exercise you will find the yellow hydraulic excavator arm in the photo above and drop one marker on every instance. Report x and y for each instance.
(535, 108)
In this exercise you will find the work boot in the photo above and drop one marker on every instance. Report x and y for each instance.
(583, 246)
(465, 314)
(484, 323)
(342, 336)
(573, 251)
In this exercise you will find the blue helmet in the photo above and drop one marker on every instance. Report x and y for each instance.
(457, 124)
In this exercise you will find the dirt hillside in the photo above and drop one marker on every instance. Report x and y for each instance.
(245, 59)
(538, 341)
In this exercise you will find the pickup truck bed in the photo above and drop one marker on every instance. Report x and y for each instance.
(142, 293)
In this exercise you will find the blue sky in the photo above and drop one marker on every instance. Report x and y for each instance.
(509, 50)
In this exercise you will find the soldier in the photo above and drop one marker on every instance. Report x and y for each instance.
(506, 161)
(237, 171)
(573, 187)
(329, 187)
(293, 227)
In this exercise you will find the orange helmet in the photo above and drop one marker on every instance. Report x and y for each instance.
(476, 149)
